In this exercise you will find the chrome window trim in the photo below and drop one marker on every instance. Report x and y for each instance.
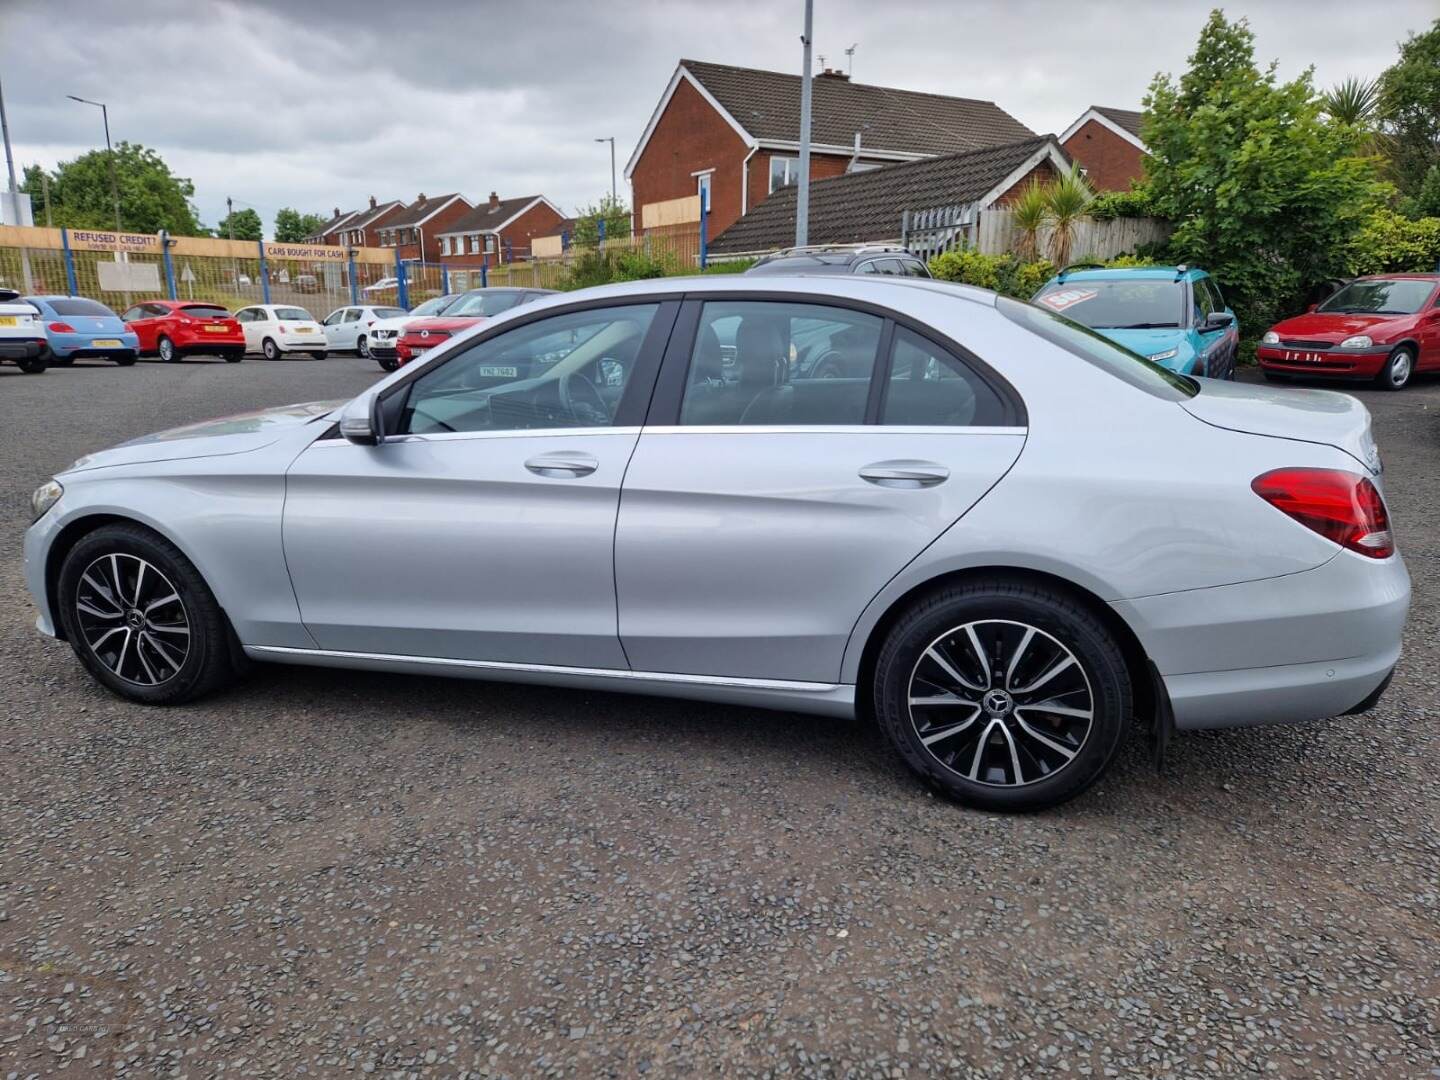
(507, 433)
(825, 429)
(783, 685)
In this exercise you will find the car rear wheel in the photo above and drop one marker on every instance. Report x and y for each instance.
(141, 619)
(1399, 366)
(270, 349)
(322, 356)
(388, 363)
(362, 347)
(235, 356)
(166, 348)
(33, 365)
(128, 360)
(1005, 695)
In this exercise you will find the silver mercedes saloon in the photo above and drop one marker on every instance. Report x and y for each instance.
(1001, 537)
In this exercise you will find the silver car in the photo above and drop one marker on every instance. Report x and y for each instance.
(1000, 535)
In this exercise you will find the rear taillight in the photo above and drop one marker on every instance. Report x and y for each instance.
(1341, 506)
(62, 328)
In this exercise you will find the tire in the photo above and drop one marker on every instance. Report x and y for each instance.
(362, 348)
(33, 365)
(1398, 369)
(234, 357)
(125, 361)
(1059, 654)
(270, 350)
(389, 365)
(321, 355)
(165, 349)
(61, 361)
(147, 667)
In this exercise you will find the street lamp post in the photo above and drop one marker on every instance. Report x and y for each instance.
(614, 194)
(110, 153)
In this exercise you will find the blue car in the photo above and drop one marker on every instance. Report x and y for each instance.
(76, 328)
(1174, 315)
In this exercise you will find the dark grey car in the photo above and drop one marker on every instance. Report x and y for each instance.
(842, 259)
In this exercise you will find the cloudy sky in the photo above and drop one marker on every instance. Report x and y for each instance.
(319, 103)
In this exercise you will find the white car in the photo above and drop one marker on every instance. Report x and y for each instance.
(384, 285)
(22, 335)
(386, 332)
(349, 328)
(276, 329)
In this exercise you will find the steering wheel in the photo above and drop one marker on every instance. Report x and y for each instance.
(580, 398)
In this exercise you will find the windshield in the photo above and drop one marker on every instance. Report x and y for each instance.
(204, 311)
(435, 306)
(80, 306)
(1100, 351)
(1116, 305)
(477, 304)
(803, 264)
(292, 313)
(1382, 296)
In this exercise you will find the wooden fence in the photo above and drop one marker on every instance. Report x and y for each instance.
(934, 230)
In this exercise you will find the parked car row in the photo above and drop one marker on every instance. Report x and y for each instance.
(397, 340)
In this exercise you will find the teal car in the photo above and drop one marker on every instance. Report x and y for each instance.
(1174, 315)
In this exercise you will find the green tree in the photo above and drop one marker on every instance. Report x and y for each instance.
(1409, 111)
(151, 197)
(241, 224)
(1264, 192)
(291, 226)
(613, 212)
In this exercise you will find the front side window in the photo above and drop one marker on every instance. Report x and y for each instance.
(1080, 341)
(930, 386)
(784, 171)
(1381, 296)
(1117, 304)
(1203, 303)
(761, 362)
(567, 371)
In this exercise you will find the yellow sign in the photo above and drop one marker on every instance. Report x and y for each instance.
(97, 240)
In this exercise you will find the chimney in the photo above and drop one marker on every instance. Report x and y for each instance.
(337, 212)
(420, 197)
(834, 73)
(494, 199)
(372, 202)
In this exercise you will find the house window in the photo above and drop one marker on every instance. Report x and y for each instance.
(784, 171)
(474, 243)
(489, 243)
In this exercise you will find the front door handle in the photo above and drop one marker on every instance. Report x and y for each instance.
(562, 464)
(905, 474)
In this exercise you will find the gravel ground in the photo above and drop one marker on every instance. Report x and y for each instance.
(324, 873)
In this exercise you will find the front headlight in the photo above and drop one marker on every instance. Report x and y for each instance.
(1270, 338)
(45, 496)
(1168, 354)
(1359, 341)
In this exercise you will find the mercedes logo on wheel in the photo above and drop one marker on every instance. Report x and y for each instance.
(997, 702)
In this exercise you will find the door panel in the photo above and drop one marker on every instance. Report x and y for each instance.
(751, 552)
(454, 546)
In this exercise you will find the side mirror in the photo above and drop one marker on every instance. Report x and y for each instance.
(1311, 308)
(361, 422)
(1218, 320)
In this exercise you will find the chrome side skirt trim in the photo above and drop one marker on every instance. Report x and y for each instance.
(768, 685)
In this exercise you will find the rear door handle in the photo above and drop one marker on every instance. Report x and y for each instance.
(905, 474)
(562, 464)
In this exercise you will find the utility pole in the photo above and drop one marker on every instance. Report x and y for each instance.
(110, 153)
(614, 193)
(26, 279)
(802, 194)
(45, 194)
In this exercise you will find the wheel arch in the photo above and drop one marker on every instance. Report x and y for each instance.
(1137, 660)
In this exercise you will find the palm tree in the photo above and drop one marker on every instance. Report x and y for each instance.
(1352, 102)
(1029, 213)
(1066, 200)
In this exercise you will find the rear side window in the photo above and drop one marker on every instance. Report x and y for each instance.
(930, 386)
(1100, 351)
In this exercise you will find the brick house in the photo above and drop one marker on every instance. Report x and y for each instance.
(363, 228)
(735, 131)
(327, 233)
(416, 229)
(1107, 144)
(498, 230)
(867, 207)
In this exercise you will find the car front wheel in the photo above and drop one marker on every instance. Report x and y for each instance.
(1399, 366)
(1005, 695)
(141, 619)
(362, 347)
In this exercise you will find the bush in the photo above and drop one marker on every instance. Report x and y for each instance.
(729, 266)
(596, 267)
(1109, 205)
(1391, 243)
(1004, 274)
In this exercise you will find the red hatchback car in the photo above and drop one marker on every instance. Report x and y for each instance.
(171, 329)
(1384, 328)
(473, 307)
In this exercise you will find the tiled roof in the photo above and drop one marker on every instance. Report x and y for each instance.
(419, 210)
(334, 223)
(366, 216)
(487, 215)
(767, 105)
(1128, 119)
(867, 206)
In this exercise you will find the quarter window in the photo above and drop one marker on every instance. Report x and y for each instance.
(567, 371)
(931, 386)
(758, 362)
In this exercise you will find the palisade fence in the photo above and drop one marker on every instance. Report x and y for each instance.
(120, 269)
(935, 230)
